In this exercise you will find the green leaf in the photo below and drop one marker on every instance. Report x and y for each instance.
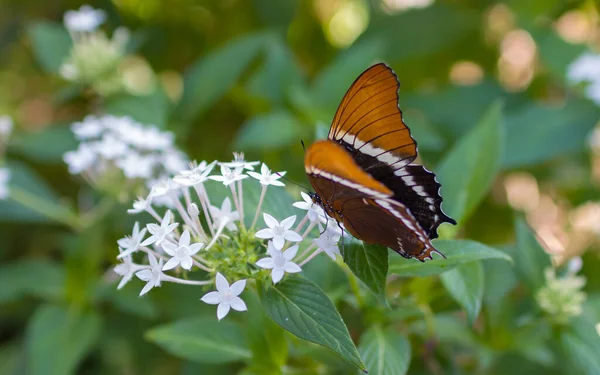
(300, 307)
(581, 349)
(46, 146)
(426, 136)
(277, 74)
(385, 352)
(555, 53)
(152, 109)
(59, 339)
(456, 251)
(465, 284)
(51, 44)
(407, 38)
(31, 199)
(48, 283)
(476, 169)
(270, 131)
(202, 340)
(541, 132)
(369, 263)
(332, 82)
(530, 257)
(214, 75)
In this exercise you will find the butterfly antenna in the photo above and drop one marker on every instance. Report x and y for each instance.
(303, 146)
(292, 182)
(437, 252)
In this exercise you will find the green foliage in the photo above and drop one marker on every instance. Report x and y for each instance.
(258, 77)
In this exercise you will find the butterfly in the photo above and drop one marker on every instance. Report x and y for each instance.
(362, 173)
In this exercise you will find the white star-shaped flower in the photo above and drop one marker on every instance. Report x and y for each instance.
(4, 179)
(239, 162)
(313, 210)
(225, 296)
(135, 165)
(229, 176)
(152, 275)
(126, 269)
(110, 147)
(280, 262)
(160, 232)
(131, 244)
(279, 232)
(81, 159)
(163, 187)
(90, 127)
(84, 19)
(224, 215)
(328, 243)
(181, 253)
(265, 177)
(195, 175)
(141, 205)
(6, 126)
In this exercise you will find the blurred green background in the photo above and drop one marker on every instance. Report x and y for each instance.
(258, 76)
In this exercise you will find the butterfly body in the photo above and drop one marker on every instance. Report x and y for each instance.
(362, 174)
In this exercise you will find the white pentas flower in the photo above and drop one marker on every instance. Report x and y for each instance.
(173, 239)
(279, 232)
(313, 211)
(280, 262)
(4, 180)
(265, 177)
(85, 19)
(239, 161)
(227, 297)
(586, 68)
(181, 253)
(110, 143)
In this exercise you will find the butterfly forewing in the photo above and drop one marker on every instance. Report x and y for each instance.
(369, 121)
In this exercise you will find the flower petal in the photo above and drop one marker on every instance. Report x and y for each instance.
(171, 263)
(292, 236)
(238, 304)
(144, 275)
(221, 283)
(222, 310)
(290, 253)
(186, 263)
(291, 267)
(212, 298)
(288, 222)
(195, 247)
(124, 280)
(149, 285)
(278, 242)
(266, 263)
(264, 233)
(277, 275)
(184, 240)
(238, 287)
(270, 220)
(169, 248)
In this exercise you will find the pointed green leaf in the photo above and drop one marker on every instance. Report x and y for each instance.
(215, 74)
(385, 352)
(269, 131)
(475, 159)
(456, 252)
(47, 146)
(465, 283)
(369, 263)
(530, 257)
(49, 280)
(202, 339)
(59, 339)
(51, 44)
(300, 307)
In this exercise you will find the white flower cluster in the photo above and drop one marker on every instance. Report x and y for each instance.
(562, 297)
(197, 235)
(86, 19)
(109, 142)
(6, 125)
(586, 68)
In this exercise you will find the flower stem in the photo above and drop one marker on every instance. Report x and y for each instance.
(316, 252)
(237, 203)
(309, 228)
(177, 280)
(241, 199)
(216, 236)
(301, 223)
(258, 207)
(306, 251)
(205, 203)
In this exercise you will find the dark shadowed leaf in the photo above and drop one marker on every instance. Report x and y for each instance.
(48, 283)
(151, 109)
(456, 251)
(46, 146)
(202, 339)
(300, 307)
(369, 263)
